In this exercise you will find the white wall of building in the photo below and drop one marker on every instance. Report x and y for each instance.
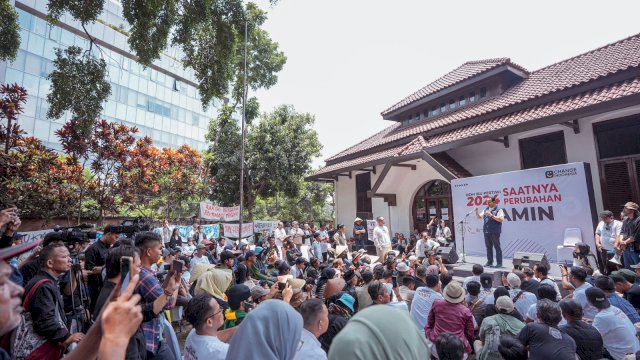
(480, 159)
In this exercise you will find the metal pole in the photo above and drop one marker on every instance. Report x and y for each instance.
(244, 120)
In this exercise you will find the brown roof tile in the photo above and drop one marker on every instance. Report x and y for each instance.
(580, 69)
(589, 98)
(461, 73)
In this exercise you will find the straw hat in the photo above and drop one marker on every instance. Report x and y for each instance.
(454, 293)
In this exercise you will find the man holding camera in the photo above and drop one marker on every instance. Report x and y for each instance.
(95, 258)
(492, 216)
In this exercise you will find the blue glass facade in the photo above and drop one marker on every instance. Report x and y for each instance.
(161, 100)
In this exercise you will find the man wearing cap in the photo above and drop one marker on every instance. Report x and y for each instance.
(237, 295)
(630, 235)
(381, 239)
(254, 268)
(94, 259)
(625, 283)
(296, 234)
(617, 331)
(607, 233)
(452, 316)
(495, 326)
(199, 256)
(359, 233)
(522, 300)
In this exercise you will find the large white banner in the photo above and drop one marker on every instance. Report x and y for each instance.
(209, 211)
(232, 230)
(539, 204)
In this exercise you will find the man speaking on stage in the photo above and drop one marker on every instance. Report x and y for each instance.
(493, 218)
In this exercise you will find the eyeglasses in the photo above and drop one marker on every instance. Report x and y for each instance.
(214, 314)
(300, 346)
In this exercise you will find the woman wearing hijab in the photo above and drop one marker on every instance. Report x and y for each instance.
(213, 282)
(379, 332)
(327, 274)
(270, 332)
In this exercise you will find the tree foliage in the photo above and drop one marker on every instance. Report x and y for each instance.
(9, 31)
(311, 204)
(79, 85)
(12, 100)
(279, 151)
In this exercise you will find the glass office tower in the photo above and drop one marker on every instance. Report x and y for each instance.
(160, 100)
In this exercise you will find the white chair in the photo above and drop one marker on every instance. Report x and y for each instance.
(572, 236)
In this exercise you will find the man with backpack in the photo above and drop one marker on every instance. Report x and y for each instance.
(43, 301)
(493, 327)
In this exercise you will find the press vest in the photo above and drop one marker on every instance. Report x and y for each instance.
(491, 226)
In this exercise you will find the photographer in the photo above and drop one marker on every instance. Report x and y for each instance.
(74, 287)
(95, 258)
(150, 246)
(45, 307)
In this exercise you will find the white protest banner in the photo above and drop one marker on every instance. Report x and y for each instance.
(231, 230)
(371, 224)
(538, 205)
(259, 226)
(30, 236)
(209, 211)
(231, 213)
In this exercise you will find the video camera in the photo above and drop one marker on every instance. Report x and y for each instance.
(71, 235)
(129, 227)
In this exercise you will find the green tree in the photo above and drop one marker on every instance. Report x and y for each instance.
(279, 151)
(311, 204)
(9, 31)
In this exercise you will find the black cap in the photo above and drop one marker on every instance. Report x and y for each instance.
(237, 294)
(349, 275)
(486, 280)
(597, 298)
(226, 255)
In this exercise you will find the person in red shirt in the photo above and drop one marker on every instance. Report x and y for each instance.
(450, 315)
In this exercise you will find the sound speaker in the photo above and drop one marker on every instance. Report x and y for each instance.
(525, 259)
(449, 255)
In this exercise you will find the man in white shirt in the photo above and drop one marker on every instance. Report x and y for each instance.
(425, 244)
(281, 236)
(316, 321)
(205, 315)
(476, 270)
(199, 257)
(423, 299)
(578, 279)
(381, 239)
(617, 331)
(607, 232)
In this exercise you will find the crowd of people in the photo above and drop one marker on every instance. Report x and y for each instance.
(308, 293)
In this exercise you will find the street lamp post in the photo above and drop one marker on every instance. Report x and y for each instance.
(244, 120)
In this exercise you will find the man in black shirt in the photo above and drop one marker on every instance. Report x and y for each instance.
(543, 338)
(630, 235)
(45, 305)
(625, 282)
(94, 260)
(588, 340)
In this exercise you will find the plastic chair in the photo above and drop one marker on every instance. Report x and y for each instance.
(572, 236)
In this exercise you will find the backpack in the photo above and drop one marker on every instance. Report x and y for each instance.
(26, 343)
(492, 336)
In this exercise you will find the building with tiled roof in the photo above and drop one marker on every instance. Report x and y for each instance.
(492, 116)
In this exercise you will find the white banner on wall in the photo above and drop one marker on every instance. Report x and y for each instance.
(259, 226)
(371, 224)
(539, 204)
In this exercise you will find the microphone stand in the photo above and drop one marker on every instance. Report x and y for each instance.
(462, 225)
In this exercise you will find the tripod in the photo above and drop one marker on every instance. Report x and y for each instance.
(79, 311)
(462, 223)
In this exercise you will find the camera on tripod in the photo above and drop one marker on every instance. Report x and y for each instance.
(129, 227)
(71, 235)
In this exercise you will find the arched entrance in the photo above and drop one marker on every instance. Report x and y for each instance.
(432, 199)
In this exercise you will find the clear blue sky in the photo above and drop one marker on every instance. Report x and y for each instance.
(350, 59)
